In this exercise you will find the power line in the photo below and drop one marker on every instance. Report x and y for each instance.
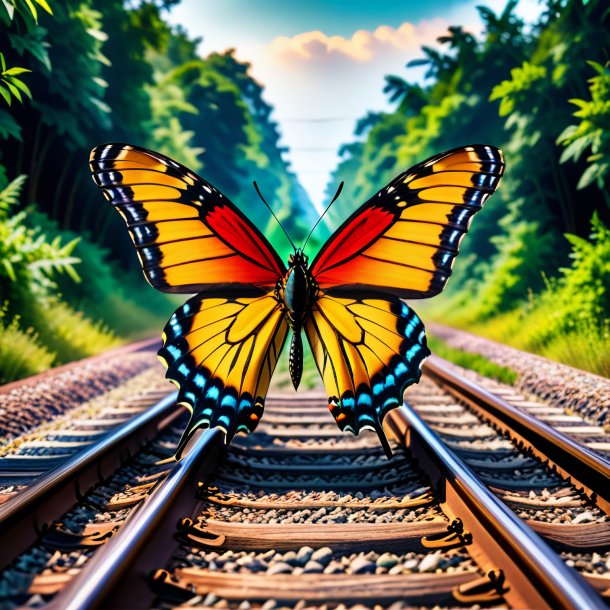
(312, 149)
(330, 119)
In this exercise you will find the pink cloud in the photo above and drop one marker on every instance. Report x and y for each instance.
(362, 46)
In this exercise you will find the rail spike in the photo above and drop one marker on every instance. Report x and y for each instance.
(197, 534)
(454, 537)
(485, 590)
(165, 585)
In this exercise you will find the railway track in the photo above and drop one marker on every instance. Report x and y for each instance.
(298, 515)
(50, 418)
(579, 453)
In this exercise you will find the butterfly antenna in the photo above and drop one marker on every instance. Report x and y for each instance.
(324, 213)
(273, 214)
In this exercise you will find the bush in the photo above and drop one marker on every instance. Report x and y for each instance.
(567, 321)
(20, 353)
(121, 300)
(69, 334)
(61, 294)
(29, 260)
(585, 286)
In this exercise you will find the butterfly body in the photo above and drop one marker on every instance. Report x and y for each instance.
(297, 292)
(222, 345)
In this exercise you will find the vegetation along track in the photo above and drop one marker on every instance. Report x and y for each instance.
(51, 418)
(299, 515)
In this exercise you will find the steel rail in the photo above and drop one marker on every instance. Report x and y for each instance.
(48, 497)
(501, 543)
(577, 463)
(521, 567)
(116, 575)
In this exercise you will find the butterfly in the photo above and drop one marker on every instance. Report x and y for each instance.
(221, 347)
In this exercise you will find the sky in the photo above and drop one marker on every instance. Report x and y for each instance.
(323, 62)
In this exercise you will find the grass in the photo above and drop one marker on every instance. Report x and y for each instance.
(61, 335)
(474, 362)
(70, 335)
(57, 333)
(585, 345)
(537, 326)
(20, 353)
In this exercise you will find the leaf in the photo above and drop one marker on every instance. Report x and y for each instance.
(69, 247)
(8, 126)
(10, 9)
(97, 34)
(105, 108)
(15, 71)
(5, 94)
(579, 103)
(45, 6)
(566, 134)
(9, 196)
(16, 93)
(417, 62)
(574, 150)
(506, 107)
(589, 176)
(54, 264)
(73, 273)
(36, 48)
(10, 271)
(21, 85)
(100, 82)
(601, 70)
(576, 241)
(2, 62)
(33, 10)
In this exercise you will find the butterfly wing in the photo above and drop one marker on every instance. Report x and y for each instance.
(369, 345)
(221, 346)
(368, 349)
(221, 352)
(189, 237)
(404, 239)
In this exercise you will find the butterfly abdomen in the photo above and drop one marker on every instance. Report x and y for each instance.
(297, 291)
(295, 360)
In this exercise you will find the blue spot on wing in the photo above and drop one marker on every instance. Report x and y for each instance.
(174, 351)
(211, 400)
(385, 389)
(228, 401)
(213, 393)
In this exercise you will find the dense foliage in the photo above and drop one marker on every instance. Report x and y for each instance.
(37, 327)
(78, 73)
(541, 93)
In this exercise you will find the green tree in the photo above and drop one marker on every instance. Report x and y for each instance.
(592, 132)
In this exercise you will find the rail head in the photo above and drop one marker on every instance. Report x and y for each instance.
(576, 462)
(535, 574)
(102, 575)
(55, 492)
